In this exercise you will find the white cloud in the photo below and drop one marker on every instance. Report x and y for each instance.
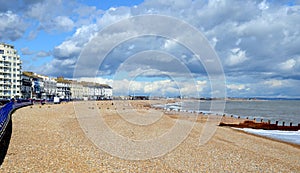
(288, 65)
(263, 5)
(26, 51)
(56, 16)
(214, 42)
(63, 23)
(169, 44)
(201, 85)
(67, 49)
(252, 38)
(274, 83)
(43, 54)
(114, 15)
(236, 86)
(96, 79)
(12, 26)
(163, 87)
(237, 56)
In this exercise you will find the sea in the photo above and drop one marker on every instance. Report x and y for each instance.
(287, 111)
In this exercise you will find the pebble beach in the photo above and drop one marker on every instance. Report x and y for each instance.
(49, 138)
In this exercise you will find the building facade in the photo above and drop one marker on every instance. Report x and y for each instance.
(77, 90)
(10, 72)
(96, 91)
(26, 86)
(107, 92)
(32, 85)
(17, 84)
(37, 86)
(49, 87)
(63, 88)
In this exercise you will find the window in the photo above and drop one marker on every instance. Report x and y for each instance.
(1, 51)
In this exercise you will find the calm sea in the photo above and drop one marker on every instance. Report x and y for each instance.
(275, 110)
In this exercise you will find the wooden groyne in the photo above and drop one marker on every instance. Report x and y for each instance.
(259, 125)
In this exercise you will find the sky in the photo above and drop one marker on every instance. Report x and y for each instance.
(256, 44)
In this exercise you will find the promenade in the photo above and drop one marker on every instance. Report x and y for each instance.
(49, 138)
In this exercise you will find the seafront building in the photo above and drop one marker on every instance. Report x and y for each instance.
(10, 72)
(26, 86)
(63, 88)
(43, 87)
(96, 91)
(32, 85)
(49, 87)
(17, 84)
(77, 90)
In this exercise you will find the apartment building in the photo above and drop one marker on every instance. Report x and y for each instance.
(10, 72)
(15, 84)
(32, 85)
(96, 91)
(26, 86)
(43, 87)
(63, 88)
(77, 90)
(49, 87)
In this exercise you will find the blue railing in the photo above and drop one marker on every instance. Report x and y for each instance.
(5, 114)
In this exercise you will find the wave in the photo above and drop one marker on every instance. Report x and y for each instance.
(286, 136)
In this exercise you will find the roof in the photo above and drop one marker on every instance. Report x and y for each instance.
(94, 84)
(63, 80)
(5, 44)
(30, 74)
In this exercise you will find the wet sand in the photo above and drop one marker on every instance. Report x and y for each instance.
(49, 138)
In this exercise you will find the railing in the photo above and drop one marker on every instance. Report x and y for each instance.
(4, 117)
(5, 114)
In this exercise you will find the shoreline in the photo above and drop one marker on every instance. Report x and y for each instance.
(49, 138)
(268, 138)
(234, 121)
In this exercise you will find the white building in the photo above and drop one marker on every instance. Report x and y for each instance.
(10, 72)
(106, 92)
(96, 91)
(63, 88)
(26, 86)
(49, 87)
(77, 90)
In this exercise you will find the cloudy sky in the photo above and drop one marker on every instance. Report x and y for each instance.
(257, 44)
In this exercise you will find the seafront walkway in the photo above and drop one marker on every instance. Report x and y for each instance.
(49, 138)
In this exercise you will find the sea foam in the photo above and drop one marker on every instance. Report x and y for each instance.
(287, 136)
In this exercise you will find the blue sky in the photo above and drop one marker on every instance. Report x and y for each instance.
(257, 43)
